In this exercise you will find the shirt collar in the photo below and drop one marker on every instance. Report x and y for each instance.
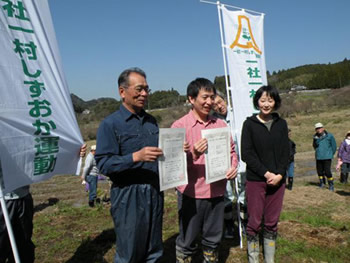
(127, 115)
(194, 120)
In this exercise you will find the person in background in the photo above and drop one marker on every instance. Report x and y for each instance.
(221, 112)
(290, 169)
(20, 208)
(127, 153)
(90, 175)
(200, 205)
(344, 159)
(325, 148)
(265, 150)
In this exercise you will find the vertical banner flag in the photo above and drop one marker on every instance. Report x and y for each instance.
(39, 134)
(244, 48)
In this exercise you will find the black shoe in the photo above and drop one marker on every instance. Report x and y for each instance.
(106, 199)
(91, 203)
(98, 200)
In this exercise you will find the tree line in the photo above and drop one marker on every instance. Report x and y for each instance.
(316, 76)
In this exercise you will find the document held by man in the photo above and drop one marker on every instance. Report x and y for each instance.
(172, 165)
(217, 156)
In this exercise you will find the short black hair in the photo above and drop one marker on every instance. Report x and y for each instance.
(271, 92)
(196, 85)
(123, 80)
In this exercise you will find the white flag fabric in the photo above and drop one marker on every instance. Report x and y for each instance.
(39, 134)
(244, 48)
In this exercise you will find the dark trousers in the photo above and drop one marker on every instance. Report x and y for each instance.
(21, 215)
(263, 202)
(92, 181)
(137, 212)
(324, 168)
(205, 216)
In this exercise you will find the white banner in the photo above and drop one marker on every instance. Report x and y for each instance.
(244, 48)
(39, 135)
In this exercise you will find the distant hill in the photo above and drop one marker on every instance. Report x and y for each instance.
(315, 76)
(80, 105)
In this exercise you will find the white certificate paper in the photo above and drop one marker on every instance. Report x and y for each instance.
(217, 157)
(173, 164)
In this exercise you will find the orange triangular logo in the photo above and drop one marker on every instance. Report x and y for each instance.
(244, 37)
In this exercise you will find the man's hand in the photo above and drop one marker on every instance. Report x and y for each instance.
(231, 173)
(147, 154)
(83, 150)
(186, 146)
(200, 147)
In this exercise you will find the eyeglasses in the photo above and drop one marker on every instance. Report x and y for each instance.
(219, 102)
(138, 89)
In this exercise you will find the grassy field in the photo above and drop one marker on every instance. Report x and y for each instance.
(314, 226)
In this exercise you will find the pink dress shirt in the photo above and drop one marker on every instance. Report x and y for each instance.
(196, 187)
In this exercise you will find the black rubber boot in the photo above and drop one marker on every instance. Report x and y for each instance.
(290, 183)
(331, 184)
(322, 183)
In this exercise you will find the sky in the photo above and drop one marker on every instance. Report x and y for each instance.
(176, 41)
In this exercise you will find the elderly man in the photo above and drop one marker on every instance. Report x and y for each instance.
(127, 152)
(325, 148)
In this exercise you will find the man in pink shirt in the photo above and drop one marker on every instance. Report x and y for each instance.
(200, 205)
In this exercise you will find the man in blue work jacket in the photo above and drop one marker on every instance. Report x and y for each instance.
(325, 147)
(127, 152)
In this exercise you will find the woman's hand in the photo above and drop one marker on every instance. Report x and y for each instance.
(274, 180)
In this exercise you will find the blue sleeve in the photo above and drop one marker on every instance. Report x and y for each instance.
(108, 157)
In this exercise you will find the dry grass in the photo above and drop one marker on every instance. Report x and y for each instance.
(314, 226)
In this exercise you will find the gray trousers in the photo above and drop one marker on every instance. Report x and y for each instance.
(205, 216)
(137, 212)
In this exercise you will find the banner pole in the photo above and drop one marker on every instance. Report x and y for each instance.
(9, 226)
(231, 123)
(223, 52)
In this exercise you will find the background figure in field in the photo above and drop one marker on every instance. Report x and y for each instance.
(290, 170)
(20, 208)
(221, 111)
(265, 150)
(325, 148)
(90, 175)
(344, 159)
